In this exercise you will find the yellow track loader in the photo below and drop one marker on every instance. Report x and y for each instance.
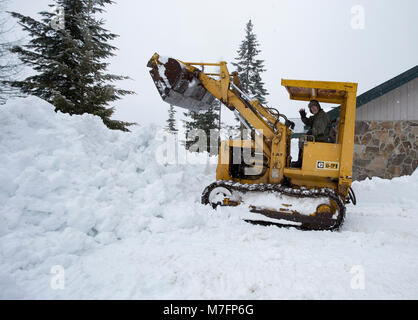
(256, 172)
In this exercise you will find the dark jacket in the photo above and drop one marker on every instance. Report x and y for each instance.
(320, 125)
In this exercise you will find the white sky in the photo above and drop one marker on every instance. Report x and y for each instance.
(305, 39)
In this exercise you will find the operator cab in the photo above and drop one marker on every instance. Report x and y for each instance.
(325, 160)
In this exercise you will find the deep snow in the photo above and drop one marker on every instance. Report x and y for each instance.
(122, 225)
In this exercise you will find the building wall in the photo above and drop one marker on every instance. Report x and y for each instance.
(398, 104)
(385, 149)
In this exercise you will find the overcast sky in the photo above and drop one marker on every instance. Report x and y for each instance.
(309, 40)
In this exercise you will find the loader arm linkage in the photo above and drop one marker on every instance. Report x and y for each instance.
(250, 112)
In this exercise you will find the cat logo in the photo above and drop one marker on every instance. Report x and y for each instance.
(327, 165)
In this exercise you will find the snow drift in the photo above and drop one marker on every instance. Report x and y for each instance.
(120, 224)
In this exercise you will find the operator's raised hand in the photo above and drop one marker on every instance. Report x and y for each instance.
(302, 113)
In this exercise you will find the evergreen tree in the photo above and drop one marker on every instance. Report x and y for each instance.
(205, 120)
(171, 121)
(249, 67)
(67, 50)
(9, 67)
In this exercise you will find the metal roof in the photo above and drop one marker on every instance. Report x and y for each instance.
(380, 90)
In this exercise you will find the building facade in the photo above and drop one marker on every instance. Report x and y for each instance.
(386, 135)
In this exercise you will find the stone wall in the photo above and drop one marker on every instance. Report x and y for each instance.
(385, 149)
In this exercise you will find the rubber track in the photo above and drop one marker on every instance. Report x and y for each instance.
(288, 191)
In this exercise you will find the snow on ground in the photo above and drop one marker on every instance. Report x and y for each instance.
(121, 225)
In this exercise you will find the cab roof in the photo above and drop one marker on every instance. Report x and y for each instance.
(323, 91)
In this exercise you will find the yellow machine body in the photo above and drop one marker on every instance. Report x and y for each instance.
(324, 165)
(327, 164)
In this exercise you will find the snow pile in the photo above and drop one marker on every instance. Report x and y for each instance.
(63, 172)
(68, 184)
(120, 224)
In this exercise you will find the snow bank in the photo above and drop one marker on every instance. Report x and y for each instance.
(68, 184)
(120, 224)
(72, 173)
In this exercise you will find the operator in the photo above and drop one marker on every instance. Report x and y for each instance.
(319, 125)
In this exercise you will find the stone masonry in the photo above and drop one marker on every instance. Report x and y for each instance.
(385, 149)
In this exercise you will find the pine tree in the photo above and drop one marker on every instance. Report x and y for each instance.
(208, 121)
(9, 67)
(171, 121)
(249, 67)
(68, 54)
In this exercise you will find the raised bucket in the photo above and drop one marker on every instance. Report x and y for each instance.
(178, 86)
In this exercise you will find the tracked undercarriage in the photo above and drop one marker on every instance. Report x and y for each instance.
(323, 208)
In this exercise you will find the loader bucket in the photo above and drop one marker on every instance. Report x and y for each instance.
(178, 86)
